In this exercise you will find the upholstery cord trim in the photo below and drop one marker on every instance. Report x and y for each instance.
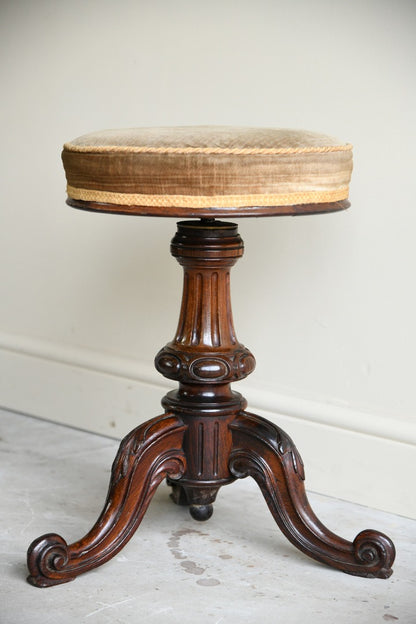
(208, 201)
(70, 147)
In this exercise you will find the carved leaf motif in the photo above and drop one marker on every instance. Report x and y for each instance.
(298, 463)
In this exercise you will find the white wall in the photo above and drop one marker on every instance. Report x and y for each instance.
(87, 300)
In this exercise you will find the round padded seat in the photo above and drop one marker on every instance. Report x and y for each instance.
(208, 171)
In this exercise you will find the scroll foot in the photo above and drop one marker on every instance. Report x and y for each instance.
(265, 452)
(146, 456)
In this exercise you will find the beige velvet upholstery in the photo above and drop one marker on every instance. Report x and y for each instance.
(207, 169)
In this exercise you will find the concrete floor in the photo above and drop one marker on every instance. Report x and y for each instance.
(236, 568)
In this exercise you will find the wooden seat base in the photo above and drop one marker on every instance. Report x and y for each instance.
(206, 438)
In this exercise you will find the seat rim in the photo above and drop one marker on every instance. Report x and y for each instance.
(211, 212)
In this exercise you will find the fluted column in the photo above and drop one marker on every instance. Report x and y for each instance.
(205, 355)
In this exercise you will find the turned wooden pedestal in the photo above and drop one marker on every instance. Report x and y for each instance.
(206, 439)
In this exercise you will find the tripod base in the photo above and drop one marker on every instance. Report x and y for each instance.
(155, 451)
(206, 439)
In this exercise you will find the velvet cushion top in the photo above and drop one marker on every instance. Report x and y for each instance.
(208, 171)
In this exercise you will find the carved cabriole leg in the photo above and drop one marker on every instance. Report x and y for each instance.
(146, 456)
(265, 452)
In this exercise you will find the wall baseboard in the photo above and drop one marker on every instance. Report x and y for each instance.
(348, 454)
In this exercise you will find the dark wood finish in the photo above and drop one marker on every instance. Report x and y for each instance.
(206, 439)
(146, 456)
(266, 453)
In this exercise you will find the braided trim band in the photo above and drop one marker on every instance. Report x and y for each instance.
(70, 147)
(209, 201)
